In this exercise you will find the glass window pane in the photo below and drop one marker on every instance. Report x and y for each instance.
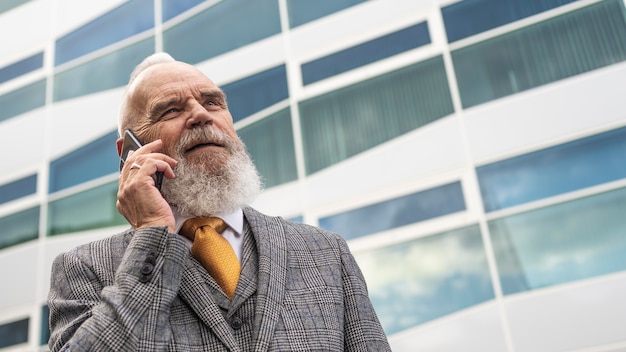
(343, 123)
(397, 212)
(561, 47)
(45, 328)
(132, 17)
(106, 72)
(271, 146)
(19, 227)
(366, 53)
(303, 11)
(549, 172)
(14, 333)
(19, 188)
(6, 5)
(98, 158)
(466, 18)
(23, 99)
(171, 8)
(562, 243)
(441, 274)
(228, 25)
(86, 210)
(21, 67)
(257, 92)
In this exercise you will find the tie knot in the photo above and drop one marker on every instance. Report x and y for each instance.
(190, 226)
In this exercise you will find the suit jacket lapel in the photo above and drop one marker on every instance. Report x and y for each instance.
(248, 279)
(271, 242)
(197, 293)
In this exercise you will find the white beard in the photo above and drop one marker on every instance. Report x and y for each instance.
(201, 190)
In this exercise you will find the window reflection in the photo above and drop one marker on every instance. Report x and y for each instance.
(87, 210)
(132, 17)
(343, 123)
(271, 146)
(561, 243)
(19, 227)
(257, 92)
(18, 188)
(14, 333)
(172, 8)
(225, 26)
(409, 209)
(466, 18)
(105, 72)
(301, 12)
(366, 53)
(91, 161)
(45, 327)
(23, 99)
(439, 275)
(564, 168)
(558, 48)
(21, 67)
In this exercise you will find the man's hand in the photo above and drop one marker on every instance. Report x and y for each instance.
(138, 200)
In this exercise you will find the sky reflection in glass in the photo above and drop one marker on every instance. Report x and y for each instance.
(440, 274)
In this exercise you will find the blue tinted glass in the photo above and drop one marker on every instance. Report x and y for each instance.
(271, 146)
(441, 274)
(91, 161)
(397, 212)
(17, 189)
(19, 227)
(561, 47)
(562, 243)
(106, 72)
(91, 209)
(23, 99)
(343, 123)
(549, 172)
(133, 17)
(172, 8)
(14, 333)
(303, 11)
(366, 53)
(469, 17)
(226, 26)
(257, 92)
(21, 67)
(45, 328)
(6, 5)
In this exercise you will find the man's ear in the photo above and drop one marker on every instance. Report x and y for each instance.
(118, 143)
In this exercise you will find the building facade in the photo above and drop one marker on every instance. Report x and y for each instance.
(472, 153)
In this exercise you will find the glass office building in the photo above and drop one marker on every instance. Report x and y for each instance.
(472, 153)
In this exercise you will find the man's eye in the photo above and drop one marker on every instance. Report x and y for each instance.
(168, 112)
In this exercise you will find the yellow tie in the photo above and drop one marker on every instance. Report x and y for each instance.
(213, 251)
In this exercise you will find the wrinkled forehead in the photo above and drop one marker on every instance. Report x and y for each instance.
(165, 77)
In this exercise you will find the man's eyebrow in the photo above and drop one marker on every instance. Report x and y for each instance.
(215, 93)
(158, 108)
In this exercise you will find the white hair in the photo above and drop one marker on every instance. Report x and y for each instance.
(154, 59)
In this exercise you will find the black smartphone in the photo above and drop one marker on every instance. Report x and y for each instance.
(129, 143)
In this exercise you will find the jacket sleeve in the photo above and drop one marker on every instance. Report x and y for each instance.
(100, 303)
(362, 328)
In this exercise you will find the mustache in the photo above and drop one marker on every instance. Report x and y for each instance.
(202, 136)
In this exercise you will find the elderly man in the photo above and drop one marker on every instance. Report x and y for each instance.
(275, 286)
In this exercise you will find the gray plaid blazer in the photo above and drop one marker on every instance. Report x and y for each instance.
(300, 290)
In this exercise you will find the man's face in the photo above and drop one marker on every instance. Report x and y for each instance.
(172, 101)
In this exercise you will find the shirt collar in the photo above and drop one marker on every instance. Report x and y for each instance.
(234, 220)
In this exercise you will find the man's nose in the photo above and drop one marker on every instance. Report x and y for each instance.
(198, 115)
